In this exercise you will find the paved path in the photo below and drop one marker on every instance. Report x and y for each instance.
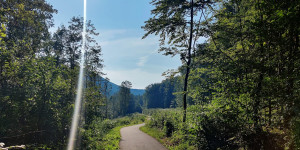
(134, 139)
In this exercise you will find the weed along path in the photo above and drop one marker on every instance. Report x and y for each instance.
(134, 139)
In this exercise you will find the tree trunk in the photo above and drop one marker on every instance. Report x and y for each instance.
(257, 99)
(270, 112)
(188, 63)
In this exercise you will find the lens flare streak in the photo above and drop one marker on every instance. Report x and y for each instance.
(76, 114)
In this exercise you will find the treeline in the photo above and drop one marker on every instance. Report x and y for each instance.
(123, 102)
(244, 80)
(162, 95)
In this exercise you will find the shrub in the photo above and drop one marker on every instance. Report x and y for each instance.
(105, 134)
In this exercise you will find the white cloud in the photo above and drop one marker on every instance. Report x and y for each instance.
(128, 57)
(142, 61)
(111, 34)
(122, 50)
(131, 42)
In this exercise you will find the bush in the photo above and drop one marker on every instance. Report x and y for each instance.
(105, 134)
(169, 122)
(296, 133)
(203, 129)
(168, 128)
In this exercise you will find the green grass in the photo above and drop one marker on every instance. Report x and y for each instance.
(165, 125)
(156, 133)
(112, 139)
(105, 135)
(172, 143)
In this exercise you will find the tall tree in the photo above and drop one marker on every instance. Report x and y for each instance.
(106, 90)
(175, 22)
(59, 40)
(124, 96)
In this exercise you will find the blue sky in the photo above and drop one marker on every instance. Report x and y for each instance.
(126, 56)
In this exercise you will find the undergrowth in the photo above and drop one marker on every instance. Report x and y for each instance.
(105, 134)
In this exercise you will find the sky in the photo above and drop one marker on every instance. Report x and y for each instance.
(126, 55)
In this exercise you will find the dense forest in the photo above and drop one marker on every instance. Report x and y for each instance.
(240, 89)
(38, 77)
(243, 81)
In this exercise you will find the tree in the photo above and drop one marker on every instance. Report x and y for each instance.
(59, 40)
(37, 72)
(161, 95)
(245, 72)
(22, 84)
(153, 96)
(106, 90)
(67, 43)
(124, 96)
(170, 21)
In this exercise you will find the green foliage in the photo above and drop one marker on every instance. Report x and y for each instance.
(123, 102)
(112, 139)
(244, 73)
(154, 132)
(105, 134)
(166, 126)
(244, 80)
(38, 74)
(179, 23)
(125, 96)
(243, 89)
(161, 95)
(296, 134)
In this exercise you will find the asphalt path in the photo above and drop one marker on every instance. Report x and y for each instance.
(134, 139)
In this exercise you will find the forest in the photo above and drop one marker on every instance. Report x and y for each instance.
(240, 89)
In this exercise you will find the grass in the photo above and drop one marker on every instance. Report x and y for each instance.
(112, 139)
(172, 143)
(156, 133)
(165, 125)
(105, 135)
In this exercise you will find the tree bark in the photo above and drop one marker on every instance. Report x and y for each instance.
(188, 63)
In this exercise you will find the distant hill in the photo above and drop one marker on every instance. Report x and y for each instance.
(115, 88)
(137, 91)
